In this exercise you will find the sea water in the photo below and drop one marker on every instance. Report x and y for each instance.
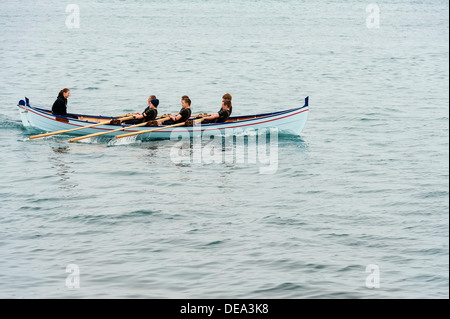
(356, 207)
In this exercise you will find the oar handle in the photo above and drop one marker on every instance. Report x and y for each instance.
(200, 115)
(124, 115)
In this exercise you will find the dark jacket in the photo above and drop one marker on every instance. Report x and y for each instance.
(223, 116)
(149, 114)
(185, 115)
(60, 106)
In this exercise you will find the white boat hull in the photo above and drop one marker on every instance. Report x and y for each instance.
(287, 122)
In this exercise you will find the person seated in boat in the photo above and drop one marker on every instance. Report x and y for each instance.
(60, 105)
(224, 112)
(183, 115)
(149, 114)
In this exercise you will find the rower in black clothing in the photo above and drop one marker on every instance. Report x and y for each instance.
(224, 112)
(149, 114)
(183, 115)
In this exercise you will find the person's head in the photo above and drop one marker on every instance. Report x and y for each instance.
(65, 92)
(151, 97)
(185, 101)
(153, 103)
(227, 96)
(226, 104)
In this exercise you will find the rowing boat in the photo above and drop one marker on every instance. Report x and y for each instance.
(290, 121)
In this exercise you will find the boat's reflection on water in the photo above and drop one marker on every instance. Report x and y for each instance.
(61, 149)
(62, 168)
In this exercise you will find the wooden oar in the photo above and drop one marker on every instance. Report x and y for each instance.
(200, 115)
(80, 128)
(116, 130)
(156, 129)
(128, 114)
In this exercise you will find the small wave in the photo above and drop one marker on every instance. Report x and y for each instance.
(364, 119)
(286, 286)
(95, 140)
(216, 242)
(109, 219)
(141, 212)
(7, 123)
(123, 141)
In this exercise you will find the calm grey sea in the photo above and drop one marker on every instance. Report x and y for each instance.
(358, 206)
